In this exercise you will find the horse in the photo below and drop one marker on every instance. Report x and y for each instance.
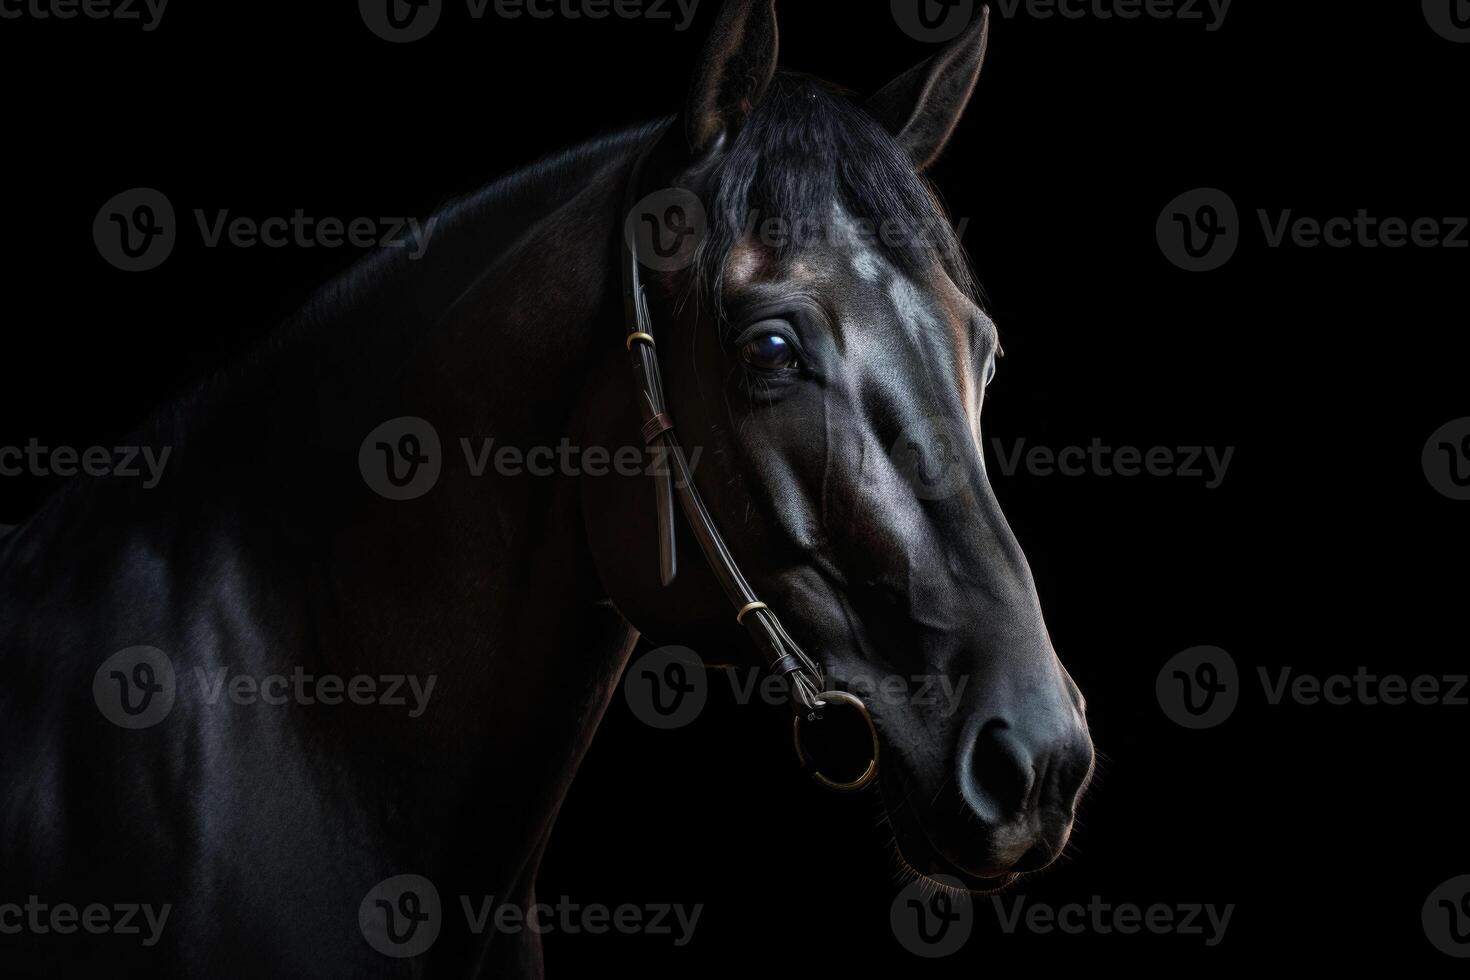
(200, 732)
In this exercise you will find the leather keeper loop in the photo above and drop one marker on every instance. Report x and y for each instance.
(656, 427)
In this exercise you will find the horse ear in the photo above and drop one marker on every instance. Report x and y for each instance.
(922, 107)
(738, 65)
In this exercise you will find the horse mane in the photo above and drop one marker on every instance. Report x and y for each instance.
(806, 145)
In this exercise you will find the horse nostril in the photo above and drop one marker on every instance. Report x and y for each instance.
(1001, 773)
(1020, 782)
(1008, 779)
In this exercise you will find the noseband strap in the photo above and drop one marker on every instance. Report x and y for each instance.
(675, 478)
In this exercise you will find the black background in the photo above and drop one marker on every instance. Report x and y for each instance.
(1327, 369)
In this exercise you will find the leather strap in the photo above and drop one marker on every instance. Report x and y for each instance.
(783, 656)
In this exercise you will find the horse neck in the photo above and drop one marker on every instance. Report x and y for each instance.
(265, 547)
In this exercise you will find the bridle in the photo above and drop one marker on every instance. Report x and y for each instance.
(784, 656)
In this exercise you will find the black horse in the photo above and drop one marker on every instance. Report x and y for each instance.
(325, 652)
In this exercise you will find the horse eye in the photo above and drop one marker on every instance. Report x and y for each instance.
(769, 352)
